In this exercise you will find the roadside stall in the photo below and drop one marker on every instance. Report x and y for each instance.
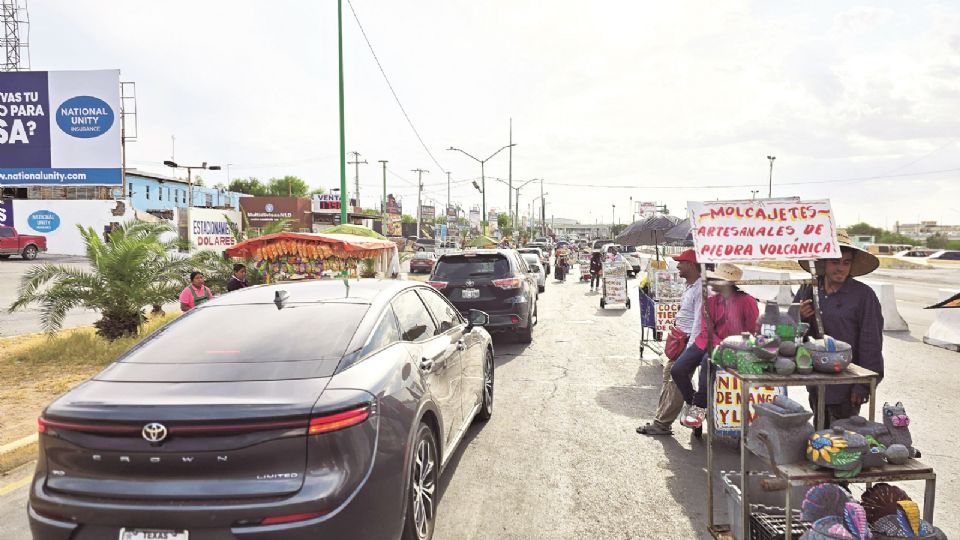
(747, 398)
(614, 281)
(294, 256)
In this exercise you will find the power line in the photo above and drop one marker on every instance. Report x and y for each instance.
(392, 91)
(728, 186)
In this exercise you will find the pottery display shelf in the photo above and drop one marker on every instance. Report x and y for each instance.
(854, 374)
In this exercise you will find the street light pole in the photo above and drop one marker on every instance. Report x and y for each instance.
(613, 218)
(189, 168)
(383, 205)
(770, 188)
(483, 177)
(419, 194)
(343, 146)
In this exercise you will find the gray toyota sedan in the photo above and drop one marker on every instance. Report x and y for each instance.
(288, 411)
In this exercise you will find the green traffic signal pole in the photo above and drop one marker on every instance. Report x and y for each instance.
(343, 150)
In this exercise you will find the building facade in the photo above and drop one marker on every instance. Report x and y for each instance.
(157, 192)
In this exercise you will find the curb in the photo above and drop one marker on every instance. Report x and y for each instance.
(21, 451)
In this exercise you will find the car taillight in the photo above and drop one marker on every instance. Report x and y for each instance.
(509, 283)
(276, 520)
(437, 284)
(41, 425)
(340, 420)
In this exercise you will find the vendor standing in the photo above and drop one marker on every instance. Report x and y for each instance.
(195, 294)
(239, 278)
(851, 313)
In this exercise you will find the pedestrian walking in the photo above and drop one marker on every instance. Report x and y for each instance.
(732, 312)
(685, 325)
(195, 294)
(239, 278)
(596, 268)
(850, 312)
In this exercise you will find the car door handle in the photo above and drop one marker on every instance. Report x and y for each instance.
(461, 345)
(432, 364)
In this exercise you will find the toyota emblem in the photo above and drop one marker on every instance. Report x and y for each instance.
(154, 432)
(468, 283)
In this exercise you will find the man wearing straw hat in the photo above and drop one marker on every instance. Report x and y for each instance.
(851, 313)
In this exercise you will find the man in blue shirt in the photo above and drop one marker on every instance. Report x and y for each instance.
(851, 313)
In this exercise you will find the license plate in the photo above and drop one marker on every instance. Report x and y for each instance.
(470, 293)
(153, 534)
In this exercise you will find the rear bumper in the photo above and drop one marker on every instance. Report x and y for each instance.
(504, 322)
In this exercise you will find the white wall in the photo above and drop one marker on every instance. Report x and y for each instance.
(66, 239)
(207, 228)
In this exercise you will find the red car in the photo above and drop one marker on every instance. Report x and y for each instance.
(25, 245)
(423, 261)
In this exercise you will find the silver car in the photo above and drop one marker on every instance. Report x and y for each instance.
(533, 261)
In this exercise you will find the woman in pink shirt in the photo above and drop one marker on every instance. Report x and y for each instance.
(195, 294)
(732, 311)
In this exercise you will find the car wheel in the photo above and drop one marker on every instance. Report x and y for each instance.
(486, 406)
(526, 335)
(424, 469)
(29, 253)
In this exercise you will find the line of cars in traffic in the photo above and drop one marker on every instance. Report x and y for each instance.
(331, 415)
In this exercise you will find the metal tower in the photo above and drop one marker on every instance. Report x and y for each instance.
(16, 35)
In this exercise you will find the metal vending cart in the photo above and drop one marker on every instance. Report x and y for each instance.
(779, 229)
(614, 285)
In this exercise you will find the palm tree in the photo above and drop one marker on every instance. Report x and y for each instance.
(138, 266)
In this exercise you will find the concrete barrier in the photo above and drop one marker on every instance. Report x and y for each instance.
(18, 452)
(945, 330)
(892, 320)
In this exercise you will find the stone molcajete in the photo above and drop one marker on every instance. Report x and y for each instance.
(834, 515)
(784, 426)
(838, 449)
(745, 353)
(893, 434)
(905, 523)
(829, 355)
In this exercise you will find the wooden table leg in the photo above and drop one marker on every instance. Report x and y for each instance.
(929, 497)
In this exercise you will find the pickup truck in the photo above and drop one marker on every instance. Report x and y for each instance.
(27, 246)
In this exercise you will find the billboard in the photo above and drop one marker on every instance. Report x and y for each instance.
(262, 211)
(6, 212)
(427, 222)
(60, 128)
(475, 220)
(394, 220)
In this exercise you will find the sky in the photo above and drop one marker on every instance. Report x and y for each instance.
(612, 102)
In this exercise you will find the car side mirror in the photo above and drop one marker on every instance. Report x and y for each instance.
(535, 269)
(475, 317)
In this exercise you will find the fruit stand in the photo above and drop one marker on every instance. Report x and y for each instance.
(293, 256)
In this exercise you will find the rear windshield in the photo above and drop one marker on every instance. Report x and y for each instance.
(466, 266)
(531, 258)
(423, 255)
(248, 341)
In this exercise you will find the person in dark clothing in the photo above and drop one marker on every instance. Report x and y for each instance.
(239, 278)
(596, 266)
(851, 313)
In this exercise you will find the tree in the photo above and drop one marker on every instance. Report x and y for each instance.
(440, 220)
(250, 186)
(318, 191)
(937, 241)
(198, 180)
(865, 229)
(137, 267)
(404, 218)
(371, 212)
(293, 186)
(503, 220)
(617, 229)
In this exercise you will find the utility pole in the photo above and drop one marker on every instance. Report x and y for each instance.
(753, 194)
(419, 194)
(383, 205)
(543, 210)
(510, 173)
(770, 189)
(356, 167)
(448, 193)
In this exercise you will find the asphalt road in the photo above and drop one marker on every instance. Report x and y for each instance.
(28, 320)
(560, 458)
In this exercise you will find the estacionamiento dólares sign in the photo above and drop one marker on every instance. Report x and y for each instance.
(60, 128)
(763, 230)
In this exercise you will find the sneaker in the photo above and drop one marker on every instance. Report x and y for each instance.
(684, 412)
(694, 417)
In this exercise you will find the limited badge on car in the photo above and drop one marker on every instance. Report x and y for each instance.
(153, 534)
(470, 293)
